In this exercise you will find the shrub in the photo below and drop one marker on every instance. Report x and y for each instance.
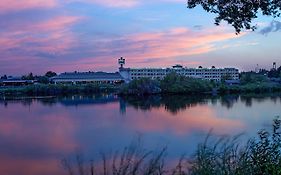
(143, 86)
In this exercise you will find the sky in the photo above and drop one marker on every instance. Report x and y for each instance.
(90, 35)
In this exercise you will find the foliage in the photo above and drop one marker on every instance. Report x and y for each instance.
(42, 79)
(275, 73)
(238, 13)
(4, 77)
(251, 82)
(250, 88)
(133, 160)
(28, 77)
(141, 86)
(176, 84)
(58, 89)
(226, 77)
(260, 155)
(252, 77)
(50, 74)
(173, 83)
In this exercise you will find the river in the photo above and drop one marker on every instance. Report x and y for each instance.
(35, 134)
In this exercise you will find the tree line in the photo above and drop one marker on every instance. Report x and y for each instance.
(40, 78)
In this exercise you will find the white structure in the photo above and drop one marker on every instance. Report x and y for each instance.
(88, 77)
(216, 74)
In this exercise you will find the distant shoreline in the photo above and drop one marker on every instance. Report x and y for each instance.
(52, 90)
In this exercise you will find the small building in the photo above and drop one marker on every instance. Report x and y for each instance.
(16, 81)
(88, 77)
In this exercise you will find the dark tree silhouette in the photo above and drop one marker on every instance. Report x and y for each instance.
(50, 74)
(238, 13)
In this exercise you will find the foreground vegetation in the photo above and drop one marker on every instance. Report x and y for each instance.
(57, 89)
(227, 155)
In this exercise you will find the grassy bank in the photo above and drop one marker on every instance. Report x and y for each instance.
(265, 87)
(57, 89)
(226, 156)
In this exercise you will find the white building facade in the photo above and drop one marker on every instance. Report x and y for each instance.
(215, 74)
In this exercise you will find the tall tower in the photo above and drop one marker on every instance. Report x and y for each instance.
(257, 69)
(274, 65)
(121, 62)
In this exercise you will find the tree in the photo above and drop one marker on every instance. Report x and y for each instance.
(4, 77)
(273, 73)
(42, 79)
(252, 78)
(226, 76)
(238, 13)
(50, 74)
(28, 77)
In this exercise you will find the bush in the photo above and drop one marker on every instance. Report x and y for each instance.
(261, 155)
(177, 84)
(143, 86)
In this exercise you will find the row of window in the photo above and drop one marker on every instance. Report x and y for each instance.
(185, 70)
(207, 78)
(186, 74)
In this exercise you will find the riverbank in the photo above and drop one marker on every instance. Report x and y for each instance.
(177, 84)
(57, 89)
(171, 84)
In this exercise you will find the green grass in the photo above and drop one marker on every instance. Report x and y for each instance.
(58, 89)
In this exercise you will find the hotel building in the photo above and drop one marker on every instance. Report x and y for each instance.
(215, 74)
(129, 74)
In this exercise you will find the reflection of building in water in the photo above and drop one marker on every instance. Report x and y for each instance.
(122, 106)
(213, 73)
(84, 100)
(104, 99)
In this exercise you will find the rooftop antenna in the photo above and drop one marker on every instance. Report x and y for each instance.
(121, 62)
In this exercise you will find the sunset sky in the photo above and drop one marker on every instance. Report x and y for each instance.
(89, 35)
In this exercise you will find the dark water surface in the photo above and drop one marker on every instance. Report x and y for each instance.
(35, 134)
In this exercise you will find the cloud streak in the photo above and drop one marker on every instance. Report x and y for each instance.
(157, 48)
(123, 3)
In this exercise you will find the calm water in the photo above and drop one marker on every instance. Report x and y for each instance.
(36, 134)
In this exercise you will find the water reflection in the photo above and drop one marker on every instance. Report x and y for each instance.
(172, 103)
(36, 133)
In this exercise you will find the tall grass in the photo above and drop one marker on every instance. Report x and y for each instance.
(225, 156)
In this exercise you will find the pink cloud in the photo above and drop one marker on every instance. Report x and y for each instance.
(16, 5)
(53, 35)
(123, 3)
(158, 49)
(112, 3)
